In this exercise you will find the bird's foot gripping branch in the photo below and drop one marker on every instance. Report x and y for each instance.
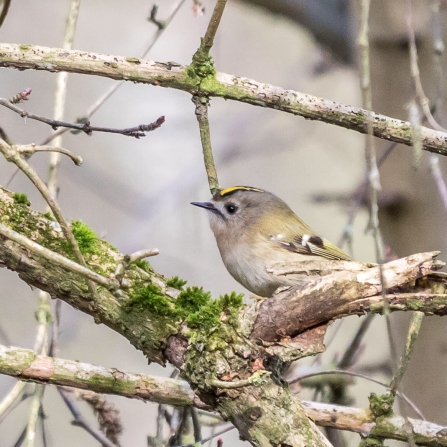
(231, 354)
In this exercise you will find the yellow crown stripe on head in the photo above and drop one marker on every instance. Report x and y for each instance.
(227, 191)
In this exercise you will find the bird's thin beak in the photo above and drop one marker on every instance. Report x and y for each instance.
(207, 205)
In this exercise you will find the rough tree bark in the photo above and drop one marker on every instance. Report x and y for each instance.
(234, 363)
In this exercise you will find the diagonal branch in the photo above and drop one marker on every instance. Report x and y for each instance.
(173, 75)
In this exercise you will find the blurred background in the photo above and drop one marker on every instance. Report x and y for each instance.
(136, 193)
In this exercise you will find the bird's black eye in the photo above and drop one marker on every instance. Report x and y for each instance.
(231, 209)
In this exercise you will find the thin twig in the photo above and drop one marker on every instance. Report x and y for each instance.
(160, 420)
(143, 254)
(201, 104)
(413, 332)
(362, 376)
(439, 179)
(208, 40)
(36, 404)
(4, 136)
(144, 53)
(359, 196)
(153, 18)
(30, 149)
(178, 425)
(21, 438)
(414, 70)
(371, 158)
(129, 259)
(11, 398)
(54, 346)
(136, 132)
(98, 103)
(43, 430)
(438, 46)
(43, 317)
(43, 314)
(196, 424)
(4, 12)
(57, 258)
(14, 156)
(349, 356)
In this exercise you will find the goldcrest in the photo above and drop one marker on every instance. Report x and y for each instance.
(255, 229)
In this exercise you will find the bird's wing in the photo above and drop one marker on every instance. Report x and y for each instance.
(313, 245)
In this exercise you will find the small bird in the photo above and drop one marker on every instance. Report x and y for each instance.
(255, 229)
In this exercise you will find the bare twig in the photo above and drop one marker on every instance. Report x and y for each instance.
(129, 259)
(21, 438)
(439, 179)
(143, 254)
(43, 317)
(371, 159)
(201, 104)
(137, 131)
(4, 136)
(361, 376)
(30, 149)
(101, 100)
(11, 154)
(42, 418)
(413, 332)
(57, 258)
(414, 70)
(97, 104)
(153, 18)
(202, 58)
(359, 196)
(35, 407)
(208, 40)
(196, 424)
(4, 11)
(11, 398)
(438, 46)
(348, 358)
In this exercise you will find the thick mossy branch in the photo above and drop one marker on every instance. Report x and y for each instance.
(146, 331)
(147, 310)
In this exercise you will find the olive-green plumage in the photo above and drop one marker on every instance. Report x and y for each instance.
(255, 229)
